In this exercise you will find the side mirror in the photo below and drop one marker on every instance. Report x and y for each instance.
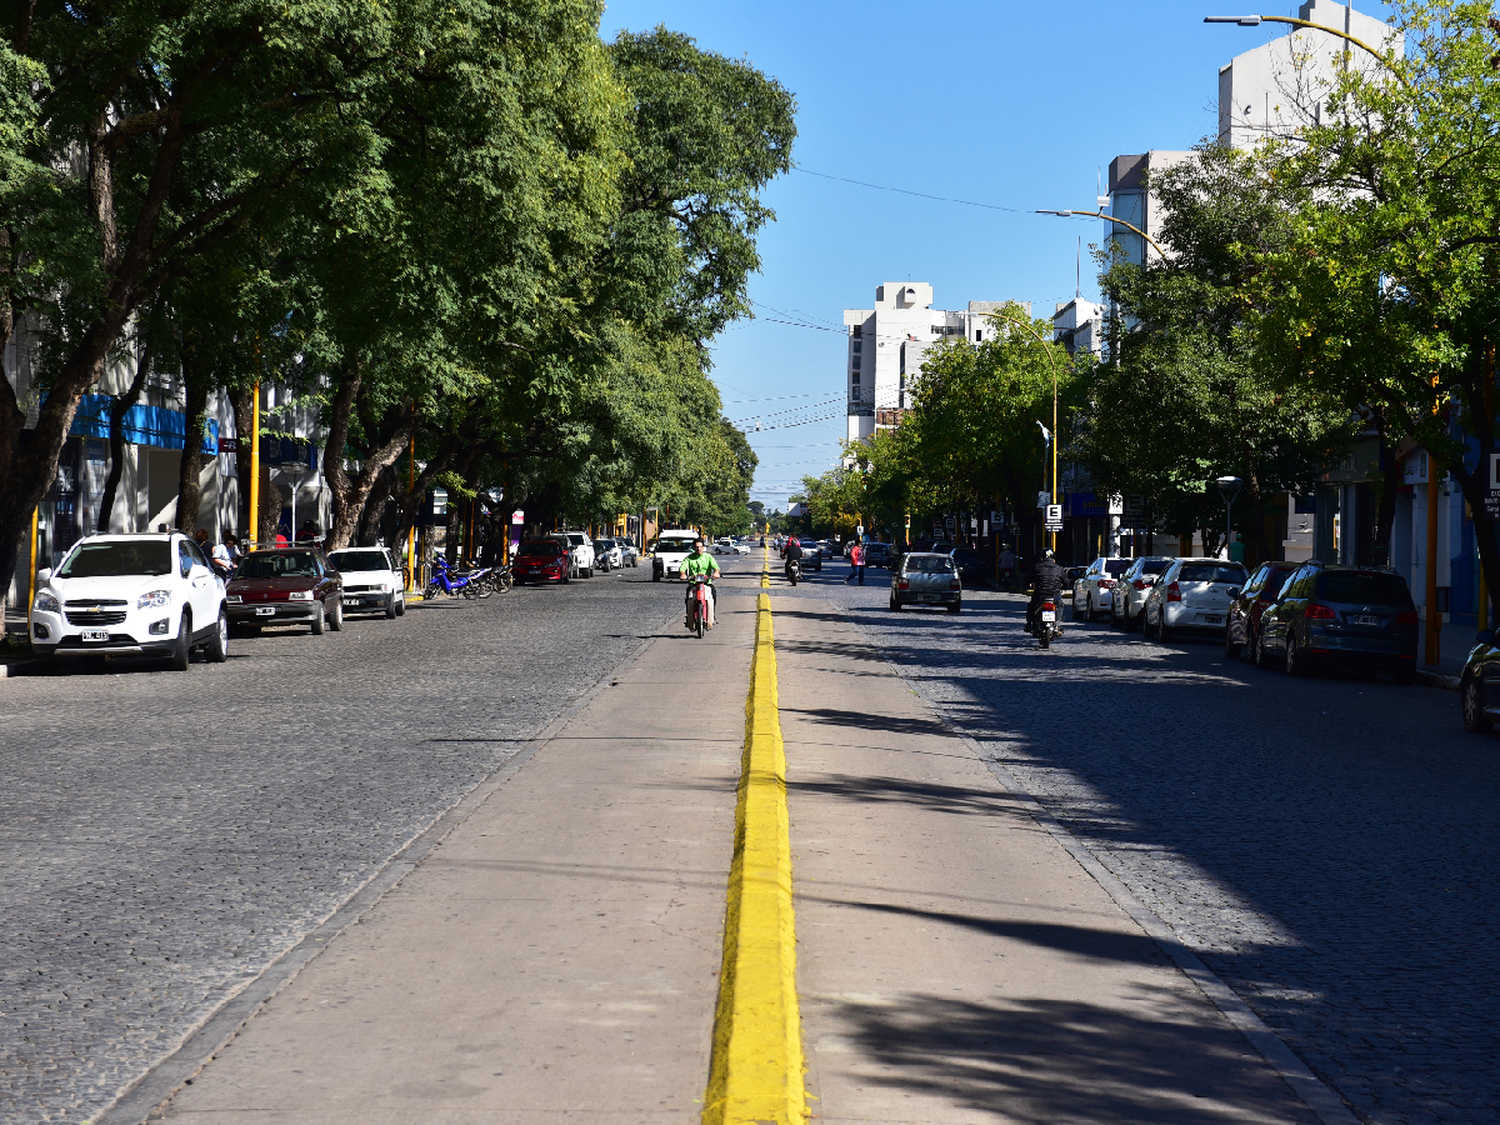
(43, 575)
(1235, 591)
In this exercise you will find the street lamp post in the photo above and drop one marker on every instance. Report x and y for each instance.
(1110, 219)
(1229, 488)
(1255, 21)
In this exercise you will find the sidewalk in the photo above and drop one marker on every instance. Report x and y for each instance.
(557, 954)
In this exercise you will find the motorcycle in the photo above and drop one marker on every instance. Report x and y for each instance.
(698, 615)
(1046, 628)
(794, 571)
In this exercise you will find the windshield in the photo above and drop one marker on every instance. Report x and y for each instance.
(359, 560)
(1208, 572)
(1372, 589)
(107, 560)
(290, 565)
(539, 550)
(664, 543)
(928, 564)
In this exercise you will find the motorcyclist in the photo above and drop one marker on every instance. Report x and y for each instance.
(1047, 587)
(792, 550)
(699, 561)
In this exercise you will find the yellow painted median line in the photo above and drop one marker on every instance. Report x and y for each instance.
(756, 1070)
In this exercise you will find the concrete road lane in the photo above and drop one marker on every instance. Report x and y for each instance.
(957, 965)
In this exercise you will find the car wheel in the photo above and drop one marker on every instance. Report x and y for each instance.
(390, 606)
(401, 605)
(1471, 701)
(955, 607)
(319, 619)
(336, 618)
(1258, 655)
(182, 652)
(1090, 613)
(1295, 665)
(1145, 624)
(655, 574)
(218, 645)
(1076, 615)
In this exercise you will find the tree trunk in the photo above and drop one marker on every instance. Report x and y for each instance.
(242, 399)
(351, 496)
(189, 484)
(119, 406)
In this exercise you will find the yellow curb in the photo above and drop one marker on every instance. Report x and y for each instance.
(765, 569)
(755, 1075)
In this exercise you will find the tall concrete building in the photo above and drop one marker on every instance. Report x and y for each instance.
(1272, 89)
(887, 344)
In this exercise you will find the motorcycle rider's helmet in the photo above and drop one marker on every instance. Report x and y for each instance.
(1047, 555)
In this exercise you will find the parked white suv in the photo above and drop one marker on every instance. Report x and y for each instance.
(670, 548)
(135, 595)
(581, 549)
(372, 580)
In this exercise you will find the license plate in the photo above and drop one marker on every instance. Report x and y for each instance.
(929, 597)
(1049, 616)
(264, 610)
(1213, 618)
(95, 635)
(1364, 619)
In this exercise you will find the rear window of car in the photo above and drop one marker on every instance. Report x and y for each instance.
(277, 566)
(1116, 567)
(106, 560)
(1155, 566)
(1372, 589)
(928, 564)
(672, 545)
(1207, 572)
(1275, 579)
(539, 550)
(359, 560)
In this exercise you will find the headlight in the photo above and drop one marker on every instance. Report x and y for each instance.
(46, 603)
(234, 599)
(154, 599)
(300, 595)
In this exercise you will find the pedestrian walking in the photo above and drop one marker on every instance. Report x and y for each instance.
(856, 564)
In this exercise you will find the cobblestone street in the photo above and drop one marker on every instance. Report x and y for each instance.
(166, 836)
(1326, 845)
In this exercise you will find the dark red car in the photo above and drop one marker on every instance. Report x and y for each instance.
(1247, 604)
(542, 560)
(287, 586)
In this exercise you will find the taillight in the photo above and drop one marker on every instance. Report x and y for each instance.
(1406, 617)
(1316, 612)
(1106, 583)
(903, 585)
(953, 585)
(1139, 583)
(1049, 606)
(1174, 594)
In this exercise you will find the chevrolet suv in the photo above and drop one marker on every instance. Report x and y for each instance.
(131, 595)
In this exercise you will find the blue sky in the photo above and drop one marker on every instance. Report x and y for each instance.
(1015, 106)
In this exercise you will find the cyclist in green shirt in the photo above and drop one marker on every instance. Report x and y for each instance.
(699, 561)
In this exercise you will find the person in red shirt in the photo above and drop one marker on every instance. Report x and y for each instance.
(856, 563)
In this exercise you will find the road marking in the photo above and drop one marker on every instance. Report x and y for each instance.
(755, 1074)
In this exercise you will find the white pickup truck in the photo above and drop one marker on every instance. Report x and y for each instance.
(668, 551)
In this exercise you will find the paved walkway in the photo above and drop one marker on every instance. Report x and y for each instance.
(557, 955)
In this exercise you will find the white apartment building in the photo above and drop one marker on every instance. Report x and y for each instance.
(1078, 325)
(887, 345)
(1272, 89)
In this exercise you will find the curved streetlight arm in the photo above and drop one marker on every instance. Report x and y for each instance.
(1256, 21)
(1111, 219)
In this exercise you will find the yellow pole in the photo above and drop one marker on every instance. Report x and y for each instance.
(254, 530)
(411, 532)
(31, 575)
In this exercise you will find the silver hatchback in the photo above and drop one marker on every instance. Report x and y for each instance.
(925, 578)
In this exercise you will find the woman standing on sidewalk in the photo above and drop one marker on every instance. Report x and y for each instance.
(856, 563)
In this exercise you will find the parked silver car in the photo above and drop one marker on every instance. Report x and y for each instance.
(1131, 590)
(1192, 594)
(925, 578)
(1093, 594)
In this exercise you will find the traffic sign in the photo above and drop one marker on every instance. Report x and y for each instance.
(1054, 517)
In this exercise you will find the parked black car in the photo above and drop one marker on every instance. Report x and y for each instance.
(1479, 687)
(1249, 602)
(973, 567)
(1359, 617)
(879, 554)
